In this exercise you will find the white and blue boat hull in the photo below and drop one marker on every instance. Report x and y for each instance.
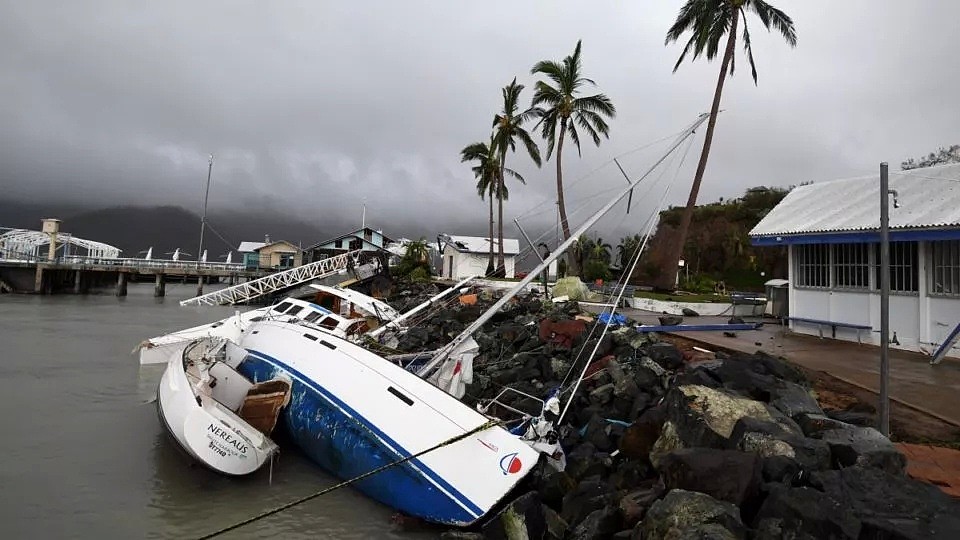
(352, 412)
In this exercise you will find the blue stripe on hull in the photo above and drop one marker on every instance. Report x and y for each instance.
(349, 447)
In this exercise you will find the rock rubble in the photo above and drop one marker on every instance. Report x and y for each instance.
(660, 445)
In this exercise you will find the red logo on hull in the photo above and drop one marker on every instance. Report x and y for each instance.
(510, 464)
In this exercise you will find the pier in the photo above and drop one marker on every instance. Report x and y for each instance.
(52, 262)
(77, 275)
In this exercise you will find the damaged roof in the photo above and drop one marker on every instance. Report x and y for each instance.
(928, 198)
(479, 244)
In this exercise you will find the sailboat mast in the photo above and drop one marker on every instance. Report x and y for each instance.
(203, 225)
(487, 315)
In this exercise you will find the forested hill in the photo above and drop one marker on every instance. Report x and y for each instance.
(717, 246)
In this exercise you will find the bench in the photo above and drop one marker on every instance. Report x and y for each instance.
(833, 326)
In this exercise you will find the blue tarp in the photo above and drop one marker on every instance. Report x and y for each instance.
(617, 319)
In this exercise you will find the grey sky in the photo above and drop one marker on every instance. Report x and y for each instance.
(312, 107)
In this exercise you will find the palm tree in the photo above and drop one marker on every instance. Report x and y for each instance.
(581, 250)
(507, 128)
(486, 172)
(708, 21)
(601, 251)
(563, 109)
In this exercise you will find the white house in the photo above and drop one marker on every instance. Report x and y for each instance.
(831, 230)
(468, 255)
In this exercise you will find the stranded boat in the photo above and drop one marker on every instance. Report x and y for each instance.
(218, 416)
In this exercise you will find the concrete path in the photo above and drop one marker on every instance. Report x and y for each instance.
(913, 381)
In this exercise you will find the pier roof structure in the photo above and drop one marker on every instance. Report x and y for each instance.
(21, 243)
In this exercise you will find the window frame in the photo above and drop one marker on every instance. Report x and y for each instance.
(946, 264)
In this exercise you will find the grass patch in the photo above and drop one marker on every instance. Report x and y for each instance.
(699, 298)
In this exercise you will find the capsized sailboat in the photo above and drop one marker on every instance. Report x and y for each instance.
(217, 416)
(353, 411)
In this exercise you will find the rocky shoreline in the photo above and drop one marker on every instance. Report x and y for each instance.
(665, 444)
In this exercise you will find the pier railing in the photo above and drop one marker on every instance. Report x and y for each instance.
(75, 261)
(276, 282)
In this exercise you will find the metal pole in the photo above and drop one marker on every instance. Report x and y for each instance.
(884, 300)
(527, 238)
(203, 225)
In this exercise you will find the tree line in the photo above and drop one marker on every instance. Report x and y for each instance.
(560, 110)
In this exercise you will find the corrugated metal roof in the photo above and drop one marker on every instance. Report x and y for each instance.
(929, 198)
(477, 244)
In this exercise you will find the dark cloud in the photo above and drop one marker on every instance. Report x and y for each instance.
(315, 108)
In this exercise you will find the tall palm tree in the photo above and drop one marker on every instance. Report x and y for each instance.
(708, 21)
(507, 129)
(486, 172)
(562, 111)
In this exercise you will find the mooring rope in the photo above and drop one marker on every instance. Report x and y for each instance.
(486, 425)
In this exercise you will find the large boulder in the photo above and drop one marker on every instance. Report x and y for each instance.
(639, 438)
(726, 475)
(683, 514)
(590, 495)
(634, 505)
(813, 425)
(892, 506)
(864, 447)
(521, 519)
(698, 416)
(598, 525)
(561, 333)
(666, 355)
(805, 513)
(770, 440)
(793, 400)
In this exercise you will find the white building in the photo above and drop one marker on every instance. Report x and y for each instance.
(832, 232)
(468, 255)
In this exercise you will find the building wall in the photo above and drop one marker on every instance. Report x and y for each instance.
(475, 264)
(270, 256)
(919, 320)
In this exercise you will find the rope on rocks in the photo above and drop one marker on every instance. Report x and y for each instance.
(277, 510)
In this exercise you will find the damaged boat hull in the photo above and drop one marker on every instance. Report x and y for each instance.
(353, 412)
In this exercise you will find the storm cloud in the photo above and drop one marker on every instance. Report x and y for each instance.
(314, 108)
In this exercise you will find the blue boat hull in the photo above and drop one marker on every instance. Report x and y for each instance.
(346, 445)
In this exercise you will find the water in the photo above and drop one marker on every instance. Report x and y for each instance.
(84, 455)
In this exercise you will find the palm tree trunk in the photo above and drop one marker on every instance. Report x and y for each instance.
(574, 269)
(668, 273)
(490, 266)
(501, 267)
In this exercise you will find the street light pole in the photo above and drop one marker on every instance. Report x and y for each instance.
(884, 299)
(203, 225)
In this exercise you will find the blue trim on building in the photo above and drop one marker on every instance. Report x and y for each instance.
(389, 488)
(859, 237)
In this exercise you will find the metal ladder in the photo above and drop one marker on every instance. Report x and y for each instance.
(275, 282)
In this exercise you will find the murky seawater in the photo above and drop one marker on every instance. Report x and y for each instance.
(83, 455)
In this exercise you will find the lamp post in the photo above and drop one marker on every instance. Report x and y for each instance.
(884, 300)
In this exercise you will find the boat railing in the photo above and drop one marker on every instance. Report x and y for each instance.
(523, 415)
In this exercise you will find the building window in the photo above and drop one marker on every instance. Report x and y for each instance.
(813, 265)
(851, 266)
(904, 268)
(945, 258)
(356, 244)
(338, 244)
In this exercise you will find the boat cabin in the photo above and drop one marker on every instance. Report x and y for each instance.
(319, 317)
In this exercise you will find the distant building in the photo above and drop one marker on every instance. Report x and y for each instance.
(280, 255)
(269, 255)
(364, 239)
(248, 250)
(468, 255)
(831, 230)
